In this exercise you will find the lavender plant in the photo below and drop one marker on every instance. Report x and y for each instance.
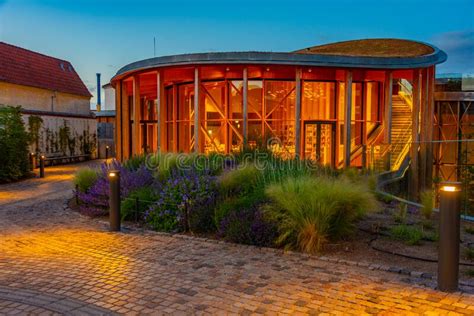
(185, 202)
(96, 198)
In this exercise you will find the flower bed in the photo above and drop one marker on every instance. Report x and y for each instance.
(252, 198)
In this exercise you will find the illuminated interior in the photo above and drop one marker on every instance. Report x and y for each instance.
(271, 117)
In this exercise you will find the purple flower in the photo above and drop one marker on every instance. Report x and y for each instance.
(96, 199)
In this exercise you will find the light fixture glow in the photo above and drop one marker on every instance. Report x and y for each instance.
(449, 188)
(112, 174)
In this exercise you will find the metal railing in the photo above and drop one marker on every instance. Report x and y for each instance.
(406, 92)
(402, 148)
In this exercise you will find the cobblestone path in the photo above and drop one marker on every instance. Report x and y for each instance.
(54, 261)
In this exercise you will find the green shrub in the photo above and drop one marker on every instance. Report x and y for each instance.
(237, 203)
(352, 174)
(309, 211)
(85, 178)
(14, 139)
(469, 230)
(469, 253)
(372, 182)
(409, 234)
(240, 180)
(145, 195)
(187, 201)
(248, 226)
(277, 170)
(427, 200)
(427, 224)
(430, 236)
(135, 162)
(163, 164)
(401, 216)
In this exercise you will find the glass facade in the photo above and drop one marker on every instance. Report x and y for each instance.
(271, 117)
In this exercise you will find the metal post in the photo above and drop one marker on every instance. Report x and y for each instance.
(106, 152)
(32, 161)
(449, 222)
(114, 200)
(42, 166)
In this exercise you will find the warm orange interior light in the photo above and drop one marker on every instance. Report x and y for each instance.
(112, 174)
(449, 188)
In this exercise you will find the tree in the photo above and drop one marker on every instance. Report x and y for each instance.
(14, 162)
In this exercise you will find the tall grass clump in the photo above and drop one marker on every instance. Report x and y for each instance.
(240, 180)
(85, 178)
(135, 162)
(411, 235)
(310, 211)
(427, 200)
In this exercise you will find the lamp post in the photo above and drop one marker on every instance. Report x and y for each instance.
(106, 152)
(42, 157)
(449, 222)
(114, 200)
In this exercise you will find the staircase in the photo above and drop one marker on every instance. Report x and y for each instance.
(401, 130)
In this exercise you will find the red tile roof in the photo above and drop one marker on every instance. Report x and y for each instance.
(24, 67)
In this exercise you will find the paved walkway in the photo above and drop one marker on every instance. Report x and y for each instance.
(54, 261)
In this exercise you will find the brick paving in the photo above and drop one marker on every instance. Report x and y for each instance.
(54, 261)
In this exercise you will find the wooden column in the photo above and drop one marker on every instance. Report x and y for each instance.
(137, 141)
(415, 115)
(365, 93)
(118, 120)
(430, 128)
(175, 117)
(126, 117)
(425, 119)
(196, 111)
(298, 113)
(347, 118)
(388, 86)
(245, 89)
(159, 102)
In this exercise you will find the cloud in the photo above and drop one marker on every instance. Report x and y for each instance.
(460, 49)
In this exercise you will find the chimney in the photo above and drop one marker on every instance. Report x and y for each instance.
(99, 88)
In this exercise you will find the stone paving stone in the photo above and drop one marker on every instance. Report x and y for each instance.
(55, 258)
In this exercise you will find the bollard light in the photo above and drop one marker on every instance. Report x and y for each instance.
(449, 236)
(42, 157)
(107, 152)
(114, 200)
(32, 161)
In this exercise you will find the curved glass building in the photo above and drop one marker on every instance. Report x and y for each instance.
(355, 103)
